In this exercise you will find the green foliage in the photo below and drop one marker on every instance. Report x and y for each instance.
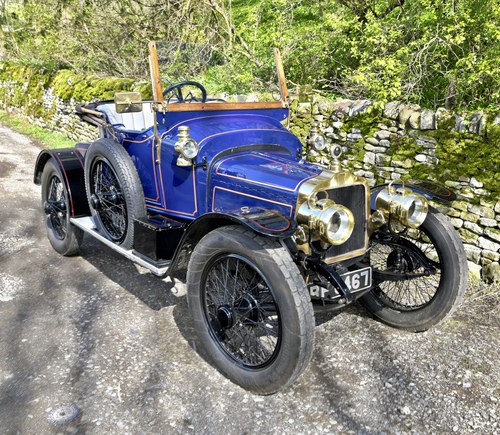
(431, 52)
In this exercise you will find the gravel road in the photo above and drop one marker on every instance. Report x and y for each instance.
(100, 334)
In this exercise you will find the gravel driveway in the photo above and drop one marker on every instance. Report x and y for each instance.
(109, 338)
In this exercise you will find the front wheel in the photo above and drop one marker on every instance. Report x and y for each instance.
(420, 275)
(251, 309)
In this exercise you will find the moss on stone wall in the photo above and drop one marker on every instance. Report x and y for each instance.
(28, 83)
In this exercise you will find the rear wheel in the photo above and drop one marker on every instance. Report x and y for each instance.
(64, 237)
(420, 275)
(114, 191)
(250, 309)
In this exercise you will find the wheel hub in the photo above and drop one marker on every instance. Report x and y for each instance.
(248, 309)
(95, 202)
(400, 262)
(54, 207)
(225, 317)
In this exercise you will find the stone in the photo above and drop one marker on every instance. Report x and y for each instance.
(369, 147)
(482, 211)
(427, 120)
(359, 106)
(393, 129)
(482, 192)
(372, 141)
(421, 158)
(442, 117)
(484, 262)
(485, 222)
(391, 110)
(454, 213)
(385, 175)
(482, 125)
(491, 273)
(473, 253)
(406, 112)
(497, 207)
(341, 108)
(369, 158)
(426, 142)
(382, 134)
(475, 228)
(492, 234)
(474, 270)
(382, 159)
(407, 164)
(460, 205)
(471, 217)
(382, 126)
(487, 203)
(338, 125)
(319, 118)
(385, 143)
(354, 136)
(490, 255)
(415, 120)
(325, 106)
(397, 163)
(488, 244)
(457, 223)
(475, 122)
(468, 236)
(460, 125)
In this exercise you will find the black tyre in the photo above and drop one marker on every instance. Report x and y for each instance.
(64, 237)
(114, 191)
(251, 309)
(426, 271)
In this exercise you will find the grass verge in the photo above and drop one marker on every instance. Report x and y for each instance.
(46, 137)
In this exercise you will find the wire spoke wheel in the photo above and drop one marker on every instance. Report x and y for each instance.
(63, 236)
(56, 204)
(418, 285)
(251, 309)
(112, 208)
(241, 311)
(419, 276)
(114, 191)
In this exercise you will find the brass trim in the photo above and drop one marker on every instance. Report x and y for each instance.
(309, 193)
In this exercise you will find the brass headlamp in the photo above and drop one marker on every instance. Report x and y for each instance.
(185, 146)
(332, 223)
(401, 203)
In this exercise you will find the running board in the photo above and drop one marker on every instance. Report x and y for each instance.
(85, 223)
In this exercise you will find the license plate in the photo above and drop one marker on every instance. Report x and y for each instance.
(358, 279)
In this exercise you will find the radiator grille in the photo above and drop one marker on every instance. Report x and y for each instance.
(354, 198)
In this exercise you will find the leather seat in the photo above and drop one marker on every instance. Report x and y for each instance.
(137, 121)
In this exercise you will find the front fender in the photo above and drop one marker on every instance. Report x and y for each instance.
(266, 222)
(71, 166)
(430, 190)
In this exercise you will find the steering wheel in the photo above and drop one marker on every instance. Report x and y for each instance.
(176, 91)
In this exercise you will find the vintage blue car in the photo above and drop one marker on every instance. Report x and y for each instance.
(223, 193)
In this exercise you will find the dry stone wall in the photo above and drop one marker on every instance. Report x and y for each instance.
(381, 143)
(401, 138)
